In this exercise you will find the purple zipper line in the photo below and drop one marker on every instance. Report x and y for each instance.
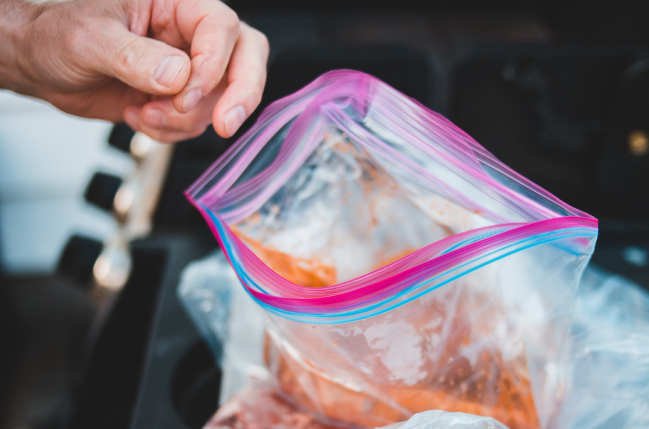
(263, 179)
(299, 128)
(242, 163)
(275, 109)
(479, 173)
(266, 276)
(443, 131)
(410, 166)
(255, 265)
(475, 147)
(396, 100)
(260, 267)
(426, 269)
(292, 141)
(265, 117)
(294, 138)
(305, 119)
(397, 282)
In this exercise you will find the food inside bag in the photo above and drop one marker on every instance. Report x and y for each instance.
(402, 268)
(607, 351)
(444, 420)
(261, 405)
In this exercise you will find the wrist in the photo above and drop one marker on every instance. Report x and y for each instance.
(16, 17)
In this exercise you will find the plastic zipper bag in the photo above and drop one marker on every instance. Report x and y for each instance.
(263, 406)
(444, 420)
(607, 353)
(401, 266)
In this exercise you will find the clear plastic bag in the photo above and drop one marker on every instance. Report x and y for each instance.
(401, 266)
(608, 356)
(262, 405)
(227, 318)
(437, 419)
(607, 352)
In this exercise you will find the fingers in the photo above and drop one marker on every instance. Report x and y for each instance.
(161, 121)
(212, 28)
(227, 106)
(246, 80)
(145, 64)
(133, 116)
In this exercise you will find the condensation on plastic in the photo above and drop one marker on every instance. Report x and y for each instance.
(402, 266)
(227, 318)
(261, 405)
(437, 419)
(608, 358)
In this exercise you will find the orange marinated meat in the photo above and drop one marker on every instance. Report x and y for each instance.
(490, 387)
(303, 272)
(263, 408)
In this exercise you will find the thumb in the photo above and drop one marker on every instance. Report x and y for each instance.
(145, 64)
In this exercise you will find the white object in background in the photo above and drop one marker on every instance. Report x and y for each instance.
(46, 161)
(133, 205)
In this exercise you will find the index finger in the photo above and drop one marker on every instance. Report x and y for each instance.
(212, 30)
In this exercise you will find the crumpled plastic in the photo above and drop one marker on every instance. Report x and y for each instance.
(262, 405)
(228, 319)
(606, 359)
(437, 419)
(486, 343)
(608, 355)
(400, 266)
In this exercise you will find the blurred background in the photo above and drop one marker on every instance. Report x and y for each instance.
(94, 229)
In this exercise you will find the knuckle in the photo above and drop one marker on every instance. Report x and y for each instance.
(155, 134)
(230, 20)
(190, 125)
(254, 93)
(200, 130)
(77, 39)
(195, 133)
(128, 55)
(262, 39)
(256, 99)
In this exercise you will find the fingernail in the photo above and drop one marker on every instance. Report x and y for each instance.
(168, 70)
(233, 119)
(130, 117)
(191, 99)
(155, 118)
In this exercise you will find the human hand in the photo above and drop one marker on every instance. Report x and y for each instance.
(166, 67)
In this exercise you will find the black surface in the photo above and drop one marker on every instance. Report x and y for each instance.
(167, 393)
(102, 189)
(548, 112)
(190, 159)
(404, 68)
(49, 318)
(623, 178)
(120, 137)
(110, 376)
(195, 386)
(78, 259)
(8, 338)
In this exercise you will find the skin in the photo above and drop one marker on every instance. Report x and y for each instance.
(167, 68)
